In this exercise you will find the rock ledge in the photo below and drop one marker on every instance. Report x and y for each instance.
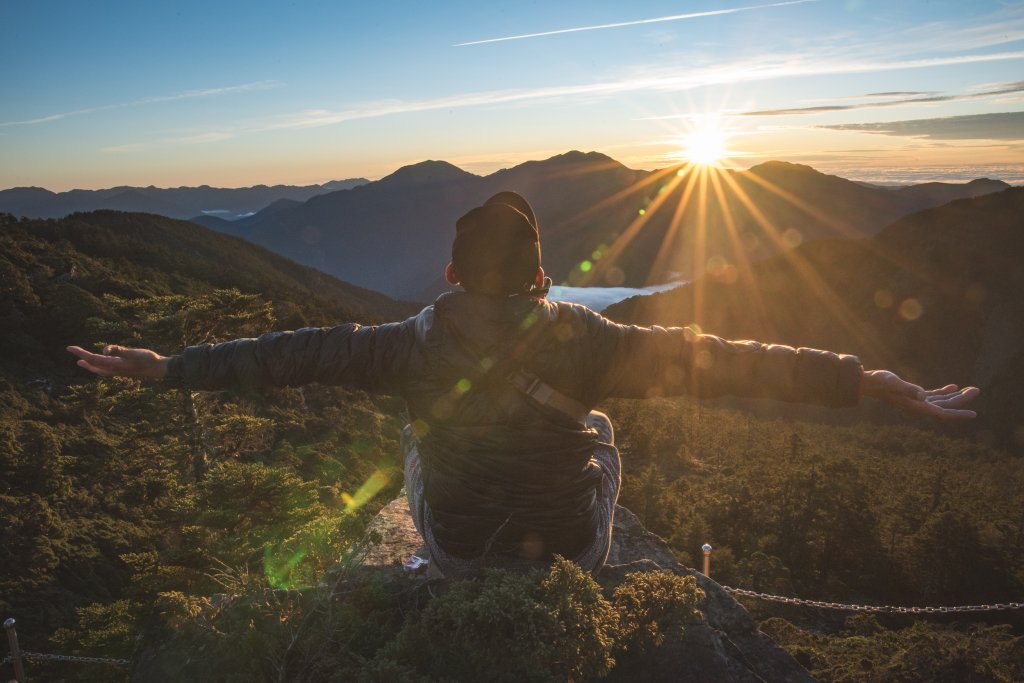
(724, 646)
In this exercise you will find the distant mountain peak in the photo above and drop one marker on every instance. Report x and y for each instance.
(426, 172)
(774, 166)
(346, 184)
(283, 203)
(558, 162)
(988, 182)
(576, 156)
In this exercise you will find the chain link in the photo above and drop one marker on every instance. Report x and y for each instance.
(71, 658)
(882, 609)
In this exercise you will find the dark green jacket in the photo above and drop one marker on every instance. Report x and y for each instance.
(497, 466)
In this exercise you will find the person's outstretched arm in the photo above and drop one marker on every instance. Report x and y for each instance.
(633, 362)
(362, 357)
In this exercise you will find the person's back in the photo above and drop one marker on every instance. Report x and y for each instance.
(505, 474)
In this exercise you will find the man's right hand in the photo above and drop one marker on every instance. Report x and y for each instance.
(118, 361)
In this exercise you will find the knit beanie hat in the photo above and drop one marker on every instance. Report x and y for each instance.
(496, 249)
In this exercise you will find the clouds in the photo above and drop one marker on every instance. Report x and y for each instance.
(195, 139)
(186, 95)
(999, 126)
(637, 22)
(649, 79)
(1002, 27)
(836, 44)
(912, 98)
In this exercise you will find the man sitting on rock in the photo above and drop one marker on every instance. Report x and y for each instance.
(507, 463)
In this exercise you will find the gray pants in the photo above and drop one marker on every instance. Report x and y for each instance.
(593, 556)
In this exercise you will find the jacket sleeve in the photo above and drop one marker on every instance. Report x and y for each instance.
(636, 362)
(368, 358)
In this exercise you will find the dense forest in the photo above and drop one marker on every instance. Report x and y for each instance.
(212, 521)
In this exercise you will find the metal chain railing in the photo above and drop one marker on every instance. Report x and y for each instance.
(68, 658)
(878, 609)
(881, 609)
(18, 656)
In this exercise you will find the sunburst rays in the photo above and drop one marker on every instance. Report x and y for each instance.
(704, 215)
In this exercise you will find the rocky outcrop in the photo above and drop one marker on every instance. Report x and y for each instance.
(725, 646)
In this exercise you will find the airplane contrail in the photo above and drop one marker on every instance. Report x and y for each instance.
(674, 17)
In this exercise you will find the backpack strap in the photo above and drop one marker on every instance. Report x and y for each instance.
(547, 396)
(509, 369)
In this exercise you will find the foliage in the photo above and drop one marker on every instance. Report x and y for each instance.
(890, 514)
(506, 627)
(652, 604)
(865, 651)
(514, 628)
(121, 497)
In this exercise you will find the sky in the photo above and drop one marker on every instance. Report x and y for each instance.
(233, 94)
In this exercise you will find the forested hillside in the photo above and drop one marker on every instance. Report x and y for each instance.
(868, 513)
(114, 492)
(128, 506)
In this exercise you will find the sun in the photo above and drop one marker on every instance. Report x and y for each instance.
(705, 144)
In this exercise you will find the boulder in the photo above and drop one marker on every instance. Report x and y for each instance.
(724, 646)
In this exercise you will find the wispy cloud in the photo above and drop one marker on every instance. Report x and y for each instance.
(635, 22)
(186, 95)
(665, 79)
(195, 139)
(892, 52)
(897, 93)
(998, 90)
(884, 95)
(1002, 27)
(1001, 126)
(675, 79)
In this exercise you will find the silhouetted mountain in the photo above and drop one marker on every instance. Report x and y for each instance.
(935, 296)
(939, 193)
(178, 202)
(425, 173)
(279, 205)
(335, 185)
(602, 223)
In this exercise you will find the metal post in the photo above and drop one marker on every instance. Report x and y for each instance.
(707, 558)
(12, 640)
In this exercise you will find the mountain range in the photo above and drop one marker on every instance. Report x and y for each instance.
(935, 296)
(176, 202)
(394, 235)
(601, 222)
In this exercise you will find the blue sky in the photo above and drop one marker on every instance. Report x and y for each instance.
(233, 93)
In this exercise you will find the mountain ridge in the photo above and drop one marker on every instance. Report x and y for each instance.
(602, 222)
(182, 202)
(394, 235)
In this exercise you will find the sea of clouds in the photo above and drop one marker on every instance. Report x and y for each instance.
(599, 298)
